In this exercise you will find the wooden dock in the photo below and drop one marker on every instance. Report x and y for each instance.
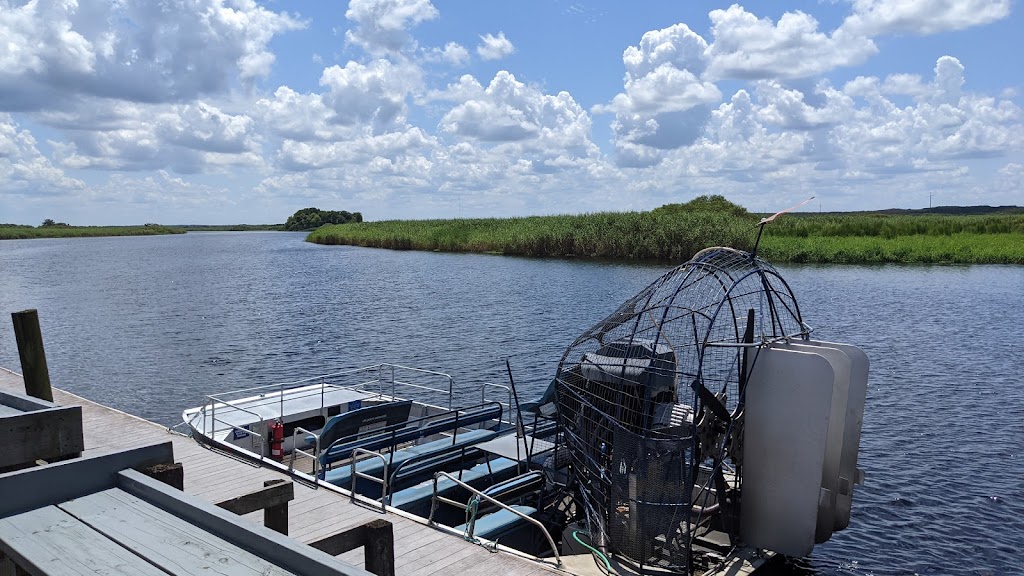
(313, 514)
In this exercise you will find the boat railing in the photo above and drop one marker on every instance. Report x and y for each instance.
(297, 450)
(507, 407)
(356, 475)
(234, 427)
(479, 494)
(378, 379)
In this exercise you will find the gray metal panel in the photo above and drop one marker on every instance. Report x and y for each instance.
(54, 483)
(842, 367)
(176, 546)
(854, 422)
(266, 543)
(785, 433)
(50, 541)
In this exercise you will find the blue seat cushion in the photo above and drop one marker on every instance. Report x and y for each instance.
(420, 494)
(341, 476)
(497, 523)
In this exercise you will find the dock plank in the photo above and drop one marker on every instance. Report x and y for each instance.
(313, 515)
(50, 541)
(166, 540)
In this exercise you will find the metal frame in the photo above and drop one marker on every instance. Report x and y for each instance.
(355, 474)
(435, 499)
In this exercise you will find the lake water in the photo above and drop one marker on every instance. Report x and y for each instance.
(151, 324)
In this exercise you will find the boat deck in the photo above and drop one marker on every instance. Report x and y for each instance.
(312, 515)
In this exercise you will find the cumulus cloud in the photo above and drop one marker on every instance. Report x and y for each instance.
(133, 50)
(383, 25)
(186, 137)
(371, 93)
(509, 111)
(23, 169)
(493, 47)
(878, 17)
(665, 103)
(748, 47)
(453, 53)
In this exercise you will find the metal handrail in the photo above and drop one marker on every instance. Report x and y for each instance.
(383, 481)
(213, 422)
(315, 455)
(508, 390)
(436, 498)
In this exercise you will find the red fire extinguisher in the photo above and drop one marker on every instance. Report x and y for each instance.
(277, 440)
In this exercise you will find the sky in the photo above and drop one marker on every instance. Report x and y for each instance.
(236, 111)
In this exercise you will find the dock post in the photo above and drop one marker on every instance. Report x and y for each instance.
(276, 517)
(379, 547)
(33, 358)
(172, 474)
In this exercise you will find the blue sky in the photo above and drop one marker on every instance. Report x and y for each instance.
(217, 111)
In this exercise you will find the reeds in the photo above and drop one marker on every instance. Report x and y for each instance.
(16, 232)
(675, 234)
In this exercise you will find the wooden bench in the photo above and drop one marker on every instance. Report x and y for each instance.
(101, 514)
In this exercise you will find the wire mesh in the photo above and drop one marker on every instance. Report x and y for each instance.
(636, 392)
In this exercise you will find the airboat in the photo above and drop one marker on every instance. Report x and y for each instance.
(698, 429)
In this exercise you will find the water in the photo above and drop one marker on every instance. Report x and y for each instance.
(151, 324)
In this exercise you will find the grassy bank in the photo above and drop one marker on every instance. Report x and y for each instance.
(228, 227)
(674, 233)
(17, 232)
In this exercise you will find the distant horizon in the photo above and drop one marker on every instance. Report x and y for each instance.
(802, 211)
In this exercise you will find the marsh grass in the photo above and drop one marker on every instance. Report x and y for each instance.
(676, 234)
(17, 232)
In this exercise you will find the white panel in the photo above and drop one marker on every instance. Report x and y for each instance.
(851, 436)
(786, 427)
(836, 428)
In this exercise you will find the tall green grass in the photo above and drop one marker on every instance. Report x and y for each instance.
(625, 235)
(676, 232)
(16, 232)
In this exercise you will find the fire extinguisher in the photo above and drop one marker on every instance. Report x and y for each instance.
(277, 440)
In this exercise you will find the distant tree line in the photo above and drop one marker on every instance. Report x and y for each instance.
(49, 223)
(313, 218)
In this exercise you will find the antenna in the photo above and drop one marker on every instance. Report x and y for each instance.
(753, 253)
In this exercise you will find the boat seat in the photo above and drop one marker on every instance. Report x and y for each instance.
(417, 498)
(495, 524)
(362, 421)
(341, 476)
(411, 431)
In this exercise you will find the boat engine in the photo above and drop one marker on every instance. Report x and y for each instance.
(700, 416)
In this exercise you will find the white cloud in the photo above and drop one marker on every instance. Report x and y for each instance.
(510, 111)
(24, 170)
(493, 47)
(383, 25)
(392, 147)
(133, 50)
(453, 53)
(878, 17)
(665, 103)
(371, 93)
(748, 47)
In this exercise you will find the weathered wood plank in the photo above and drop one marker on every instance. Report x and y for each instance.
(53, 433)
(49, 541)
(47, 485)
(279, 492)
(299, 558)
(165, 540)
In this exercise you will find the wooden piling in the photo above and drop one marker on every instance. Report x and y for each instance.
(33, 358)
(379, 547)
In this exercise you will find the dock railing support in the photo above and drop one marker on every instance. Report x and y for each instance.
(33, 358)
(377, 538)
(272, 499)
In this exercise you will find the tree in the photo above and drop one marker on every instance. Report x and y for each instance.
(48, 222)
(312, 218)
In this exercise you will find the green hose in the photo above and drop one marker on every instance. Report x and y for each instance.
(575, 536)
